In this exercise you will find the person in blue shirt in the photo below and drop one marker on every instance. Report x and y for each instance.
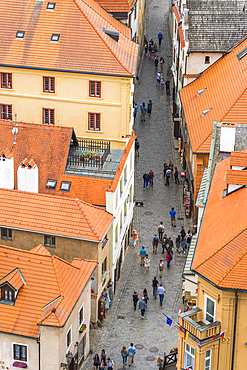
(160, 37)
(146, 180)
(142, 254)
(131, 352)
(173, 216)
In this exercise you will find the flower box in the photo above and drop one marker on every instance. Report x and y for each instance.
(83, 328)
(19, 364)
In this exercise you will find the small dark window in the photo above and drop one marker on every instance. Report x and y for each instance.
(6, 80)
(207, 60)
(55, 37)
(6, 112)
(51, 6)
(113, 34)
(6, 234)
(49, 84)
(104, 242)
(20, 352)
(65, 186)
(68, 338)
(95, 89)
(94, 121)
(48, 116)
(104, 266)
(20, 34)
(50, 241)
(81, 316)
(51, 184)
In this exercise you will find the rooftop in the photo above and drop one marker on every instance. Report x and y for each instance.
(76, 26)
(120, 6)
(51, 290)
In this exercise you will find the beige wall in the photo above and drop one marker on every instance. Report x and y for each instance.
(196, 61)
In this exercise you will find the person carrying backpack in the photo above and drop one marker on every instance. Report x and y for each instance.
(155, 243)
(143, 112)
(110, 364)
(176, 172)
(182, 233)
(168, 259)
(168, 175)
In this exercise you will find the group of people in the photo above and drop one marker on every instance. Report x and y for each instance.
(168, 173)
(148, 178)
(183, 241)
(105, 362)
(145, 111)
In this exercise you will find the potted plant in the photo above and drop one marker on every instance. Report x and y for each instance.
(19, 364)
(85, 155)
(83, 328)
(97, 156)
(159, 362)
(93, 154)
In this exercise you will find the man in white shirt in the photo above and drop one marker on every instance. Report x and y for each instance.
(161, 230)
(161, 292)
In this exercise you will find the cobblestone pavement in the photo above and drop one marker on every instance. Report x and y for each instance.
(122, 324)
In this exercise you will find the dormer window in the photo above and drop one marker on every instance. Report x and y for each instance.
(113, 34)
(20, 34)
(7, 294)
(55, 37)
(51, 184)
(50, 6)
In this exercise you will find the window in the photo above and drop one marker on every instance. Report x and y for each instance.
(209, 309)
(207, 60)
(189, 356)
(104, 267)
(113, 34)
(7, 294)
(19, 352)
(6, 112)
(20, 34)
(6, 234)
(55, 37)
(6, 80)
(65, 186)
(208, 360)
(48, 116)
(95, 88)
(94, 121)
(51, 6)
(51, 184)
(50, 241)
(68, 338)
(49, 84)
(125, 175)
(104, 242)
(81, 315)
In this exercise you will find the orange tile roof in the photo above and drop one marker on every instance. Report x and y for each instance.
(236, 177)
(181, 36)
(14, 279)
(175, 9)
(83, 46)
(191, 75)
(48, 278)
(238, 159)
(221, 251)
(41, 250)
(120, 6)
(225, 82)
(47, 214)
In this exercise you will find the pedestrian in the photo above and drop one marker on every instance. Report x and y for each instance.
(142, 307)
(102, 365)
(135, 111)
(161, 63)
(188, 239)
(170, 245)
(161, 267)
(160, 37)
(135, 236)
(143, 112)
(124, 354)
(96, 361)
(135, 299)
(103, 356)
(131, 352)
(150, 107)
(146, 180)
(156, 61)
(183, 245)
(178, 243)
(145, 295)
(161, 230)
(182, 232)
(154, 50)
(142, 254)
(173, 217)
(165, 242)
(155, 286)
(155, 243)
(165, 169)
(171, 167)
(150, 46)
(146, 262)
(162, 82)
(146, 48)
(137, 146)
(168, 88)
(151, 177)
(168, 175)
(110, 364)
(161, 292)
(176, 172)
(158, 79)
(168, 259)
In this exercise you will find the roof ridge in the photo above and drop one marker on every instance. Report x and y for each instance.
(234, 103)
(67, 263)
(57, 276)
(76, 1)
(86, 217)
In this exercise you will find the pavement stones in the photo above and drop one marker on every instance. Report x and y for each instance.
(123, 325)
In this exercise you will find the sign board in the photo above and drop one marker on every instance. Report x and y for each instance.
(187, 204)
(139, 203)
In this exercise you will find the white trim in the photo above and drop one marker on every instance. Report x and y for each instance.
(68, 348)
(19, 344)
(208, 358)
(80, 324)
(189, 353)
(205, 305)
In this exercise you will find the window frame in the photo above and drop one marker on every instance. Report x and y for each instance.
(55, 35)
(13, 352)
(208, 358)
(65, 182)
(9, 231)
(188, 353)
(5, 287)
(104, 264)
(6, 87)
(71, 341)
(53, 8)
(51, 245)
(95, 115)
(81, 323)
(95, 89)
(20, 33)
(206, 297)
(49, 187)
(207, 61)
(43, 116)
(49, 85)
(7, 118)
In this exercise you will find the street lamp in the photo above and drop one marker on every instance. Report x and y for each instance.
(69, 357)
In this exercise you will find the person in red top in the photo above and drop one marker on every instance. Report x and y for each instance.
(135, 234)
(151, 177)
(168, 259)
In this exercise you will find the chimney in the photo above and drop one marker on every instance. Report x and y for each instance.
(28, 176)
(227, 137)
(6, 169)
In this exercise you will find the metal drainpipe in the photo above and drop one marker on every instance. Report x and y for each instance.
(38, 342)
(234, 329)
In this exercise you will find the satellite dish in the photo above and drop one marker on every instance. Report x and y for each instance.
(15, 131)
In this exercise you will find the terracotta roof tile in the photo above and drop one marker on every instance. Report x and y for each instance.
(120, 6)
(53, 215)
(40, 249)
(236, 177)
(238, 159)
(14, 278)
(45, 276)
(225, 82)
(80, 24)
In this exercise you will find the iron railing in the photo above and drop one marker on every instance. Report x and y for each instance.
(169, 359)
(94, 145)
(75, 160)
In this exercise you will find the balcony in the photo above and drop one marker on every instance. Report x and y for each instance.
(192, 321)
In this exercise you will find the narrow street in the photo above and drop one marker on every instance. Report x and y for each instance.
(123, 325)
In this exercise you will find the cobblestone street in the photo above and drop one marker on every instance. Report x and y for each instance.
(122, 324)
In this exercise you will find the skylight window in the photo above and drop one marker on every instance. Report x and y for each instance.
(55, 37)
(205, 112)
(20, 34)
(51, 6)
(242, 54)
(65, 186)
(113, 34)
(51, 184)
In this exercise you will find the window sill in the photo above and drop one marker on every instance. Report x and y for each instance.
(50, 246)
(7, 88)
(95, 97)
(98, 132)
(48, 93)
(6, 239)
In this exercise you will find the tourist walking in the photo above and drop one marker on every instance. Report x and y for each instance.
(110, 364)
(135, 299)
(145, 295)
(161, 230)
(96, 361)
(161, 267)
(161, 63)
(155, 243)
(173, 217)
(183, 245)
(135, 236)
(143, 112)
(131, 352)
(150, 46)
(135, 107)
(168, 258)
(161, 292)
(142, 307)
(146, 262)
(178, 243)
(168, 88)
(151, 177)
(168, 175)
(176, 172)
(182, 232)
(143, 253)
(160, 38)
(146, 48)
(150, 107)
(156, 61)
(102, 365)
(170, 245)
(165, 169)
(124, 354)
(155, 283)
(103, 356)
(165, 241)
(146, 180)
(137, 146)
(171, 167)
(158, 79)
(188, 239)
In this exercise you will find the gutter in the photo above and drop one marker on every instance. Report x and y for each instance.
(234, 330)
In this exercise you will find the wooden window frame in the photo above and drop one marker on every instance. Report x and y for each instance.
(68, 346)
(49, 91)
(6, 87)
(8, 289)
(94, 123)
(7, 106)
(94, 94)
(9, 233)
(21, 358)
(43, 116)
(51, 245)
